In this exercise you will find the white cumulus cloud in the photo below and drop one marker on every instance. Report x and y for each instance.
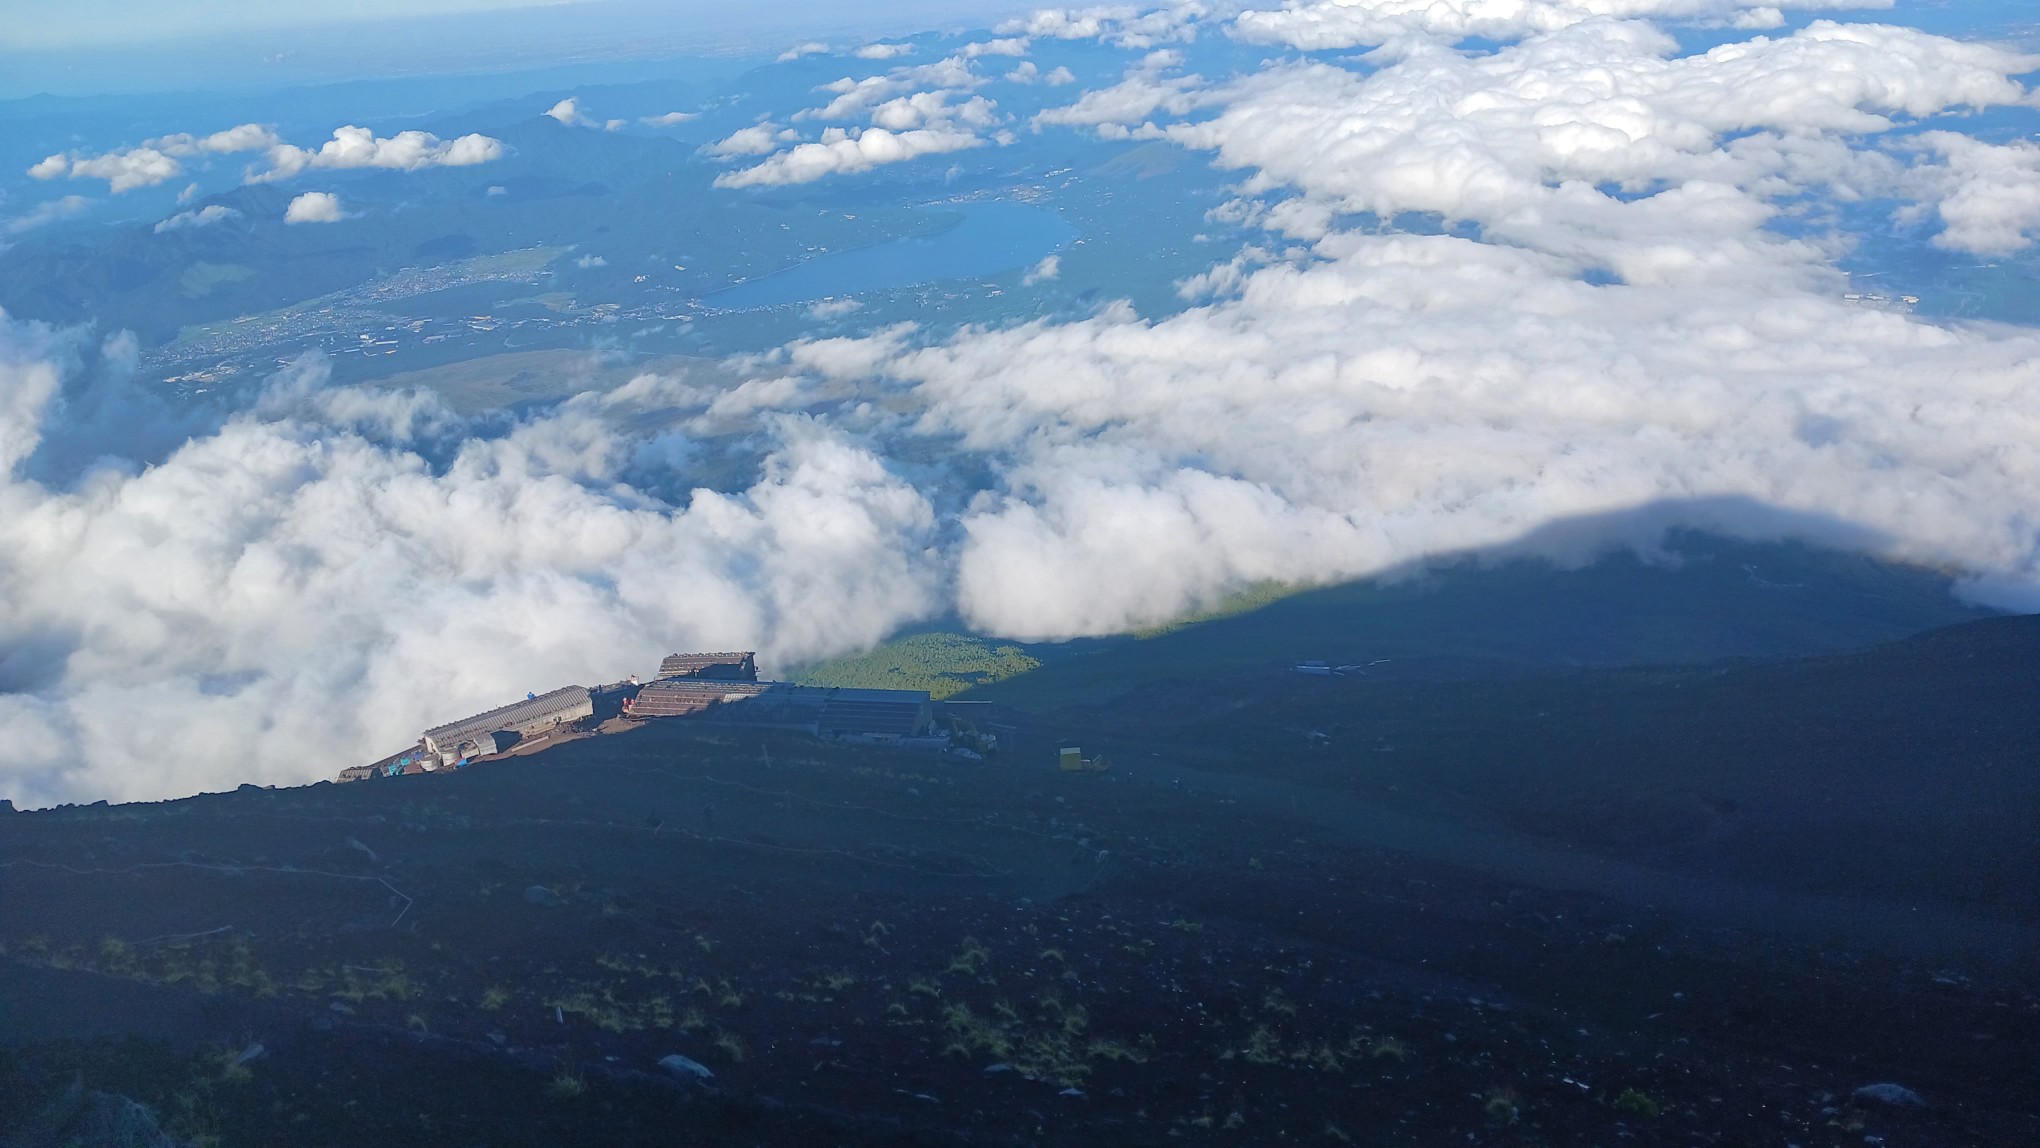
(1986, 195)
(910, 111)
(1126, 108)
(758, 139)
(855, 98)
(844, 153)
(1121, 25)
(569, 112)
(314, 207)
(1028, 72)
(122, 170)
(357, 147)
(926, 109)
(153, 161)
(1004, 46)
(205, 216)
(1524, 140)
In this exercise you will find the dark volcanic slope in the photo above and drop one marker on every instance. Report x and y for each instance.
(1908, 772)
(868, 947)
(1708, 598)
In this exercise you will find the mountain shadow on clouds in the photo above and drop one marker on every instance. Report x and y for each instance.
(1640, 586)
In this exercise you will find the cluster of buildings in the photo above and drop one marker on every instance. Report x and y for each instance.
(715, 687)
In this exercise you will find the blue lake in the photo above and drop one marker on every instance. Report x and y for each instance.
(994, 236)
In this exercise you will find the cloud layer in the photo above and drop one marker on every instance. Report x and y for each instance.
(1121, 25)
(1554, 141)
(1986, 196)
(353, 147)
(841, 152)
(324, 575)
(160, 160)
(1328, 24)
(1398, 396)
(906, 113)
(1624, 326)
(154, 161)
(1576, 271)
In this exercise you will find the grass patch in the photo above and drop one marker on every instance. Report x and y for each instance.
(944, 664)
(200, 279)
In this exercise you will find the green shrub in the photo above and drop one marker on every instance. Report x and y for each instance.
(1636, 1103)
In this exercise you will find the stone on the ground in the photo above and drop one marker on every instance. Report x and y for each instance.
(1895, 1095)
(87, 1119)
(682, 1066)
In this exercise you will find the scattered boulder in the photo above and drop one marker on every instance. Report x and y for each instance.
(81, 1118)
(118, 1122)
(682, 1066)
(1891, 1095)
(540, 895)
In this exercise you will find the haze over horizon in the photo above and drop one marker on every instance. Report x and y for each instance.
(1197, 299)
(104, 47)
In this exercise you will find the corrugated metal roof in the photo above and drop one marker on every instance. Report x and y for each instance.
(676, 697)
(567, 700)
(733, 665)
(845, 710)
